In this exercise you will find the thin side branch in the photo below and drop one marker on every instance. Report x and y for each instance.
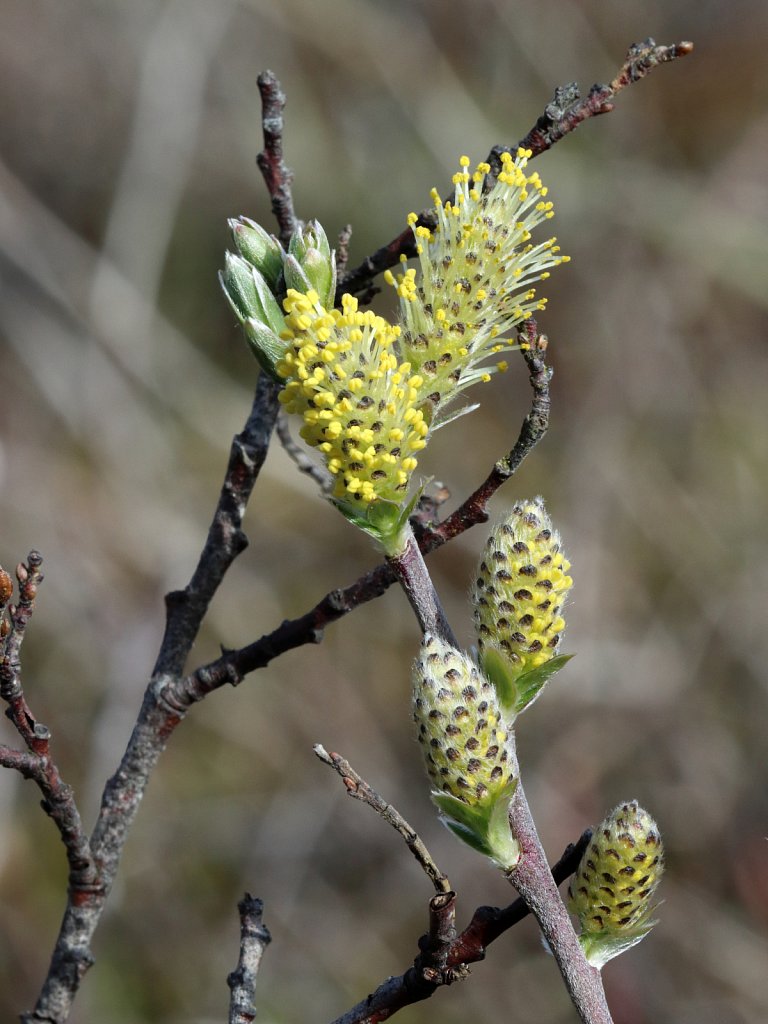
(36, 763)
(359, 789)
(277, 175)
(568, 110)
(535, 425)
(185, 609)
(562, 116)
(21, 761)
(254, 939)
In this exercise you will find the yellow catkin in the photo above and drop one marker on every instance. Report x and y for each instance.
(463, 736)
(520, 588)
(476, 271)
(614, 884)
(357, 398)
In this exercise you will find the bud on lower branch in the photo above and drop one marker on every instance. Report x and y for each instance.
(260, 249)
(613, 887)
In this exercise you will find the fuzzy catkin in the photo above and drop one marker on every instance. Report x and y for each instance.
(520, 588)
(463, 736)
(614, 884)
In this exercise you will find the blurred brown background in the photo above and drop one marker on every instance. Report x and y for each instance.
(129, 130)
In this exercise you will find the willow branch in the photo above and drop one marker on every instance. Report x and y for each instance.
(560, 117)
(532, 876)
(168, 697)
(254, 939)
(158, 717)
(359, 789)
(277, 175)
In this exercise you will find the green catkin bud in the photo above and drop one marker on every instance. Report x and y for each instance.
(612, 889)
(258, 248)
(311, 262)
(463, 736)
(248, 293)
(519, 589)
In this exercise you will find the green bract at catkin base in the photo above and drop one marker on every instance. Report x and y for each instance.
(466, 747)
(518, 595)
(614, 884)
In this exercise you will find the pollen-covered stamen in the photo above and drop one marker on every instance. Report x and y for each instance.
(477, 269)
(358, 400)
(464, 739)
(614, 884)
(520, 588)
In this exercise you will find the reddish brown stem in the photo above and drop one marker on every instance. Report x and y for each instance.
(37, 762)
(422, 980)
(359, 789)
(278, 177)
(562, 116)
(411, 572)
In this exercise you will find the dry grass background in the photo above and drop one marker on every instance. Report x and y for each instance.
(129, 130)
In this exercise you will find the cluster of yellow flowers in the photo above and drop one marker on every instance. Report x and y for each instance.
(368, 391)
(359, 404)
(519, 589)
(477, 269)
